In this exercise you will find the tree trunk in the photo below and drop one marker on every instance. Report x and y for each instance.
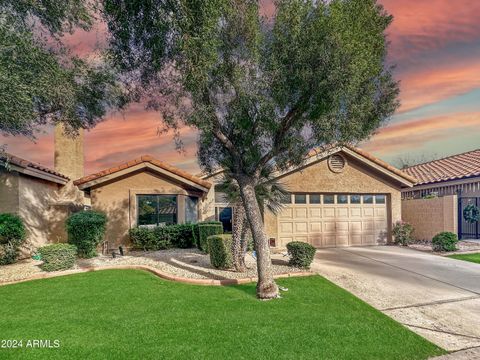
(238, 237)
(266, 286)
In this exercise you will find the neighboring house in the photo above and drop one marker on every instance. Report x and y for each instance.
(445, 187)
(448, 176)
(339, 197)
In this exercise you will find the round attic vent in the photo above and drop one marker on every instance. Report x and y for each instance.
(336, 163)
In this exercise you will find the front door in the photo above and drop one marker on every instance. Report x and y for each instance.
(468, 228)
(225, 216)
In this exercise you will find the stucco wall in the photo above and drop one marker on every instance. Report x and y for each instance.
(355, 178)
(118, 200)
(431, 216)
(8, 191)
(35, 199)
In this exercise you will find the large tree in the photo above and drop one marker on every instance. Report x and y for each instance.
(40, 80)
(261, 91)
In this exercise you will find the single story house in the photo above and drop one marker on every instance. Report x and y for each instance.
(342, 196)
(445, 188)
(456, 174)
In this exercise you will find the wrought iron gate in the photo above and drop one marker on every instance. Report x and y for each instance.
(467, 230)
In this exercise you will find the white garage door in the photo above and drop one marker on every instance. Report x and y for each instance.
(329, 220)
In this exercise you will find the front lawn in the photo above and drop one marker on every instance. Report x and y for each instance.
(127, 314)
(467, 257)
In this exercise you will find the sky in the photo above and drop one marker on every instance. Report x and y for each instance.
(435, 45)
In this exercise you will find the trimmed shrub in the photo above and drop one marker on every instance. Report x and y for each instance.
(301, 254)
(8, 253)
(162, 237)
(206, 230)
(142, 238)
(12, 235)
(402, 233)
(196, 230)
(86, 230)
(220, 248)
(445, 241)
(58, 256)
(12, 230)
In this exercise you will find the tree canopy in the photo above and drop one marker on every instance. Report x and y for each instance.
(40, 81)
(261, 91)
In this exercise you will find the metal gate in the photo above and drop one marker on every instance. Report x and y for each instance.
(468, 230)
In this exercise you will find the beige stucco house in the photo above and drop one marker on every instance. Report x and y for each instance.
(339, 197)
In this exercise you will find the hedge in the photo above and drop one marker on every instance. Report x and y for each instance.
(58, 256)
(206, 230)
(12, 235)
(445, 241)
(196, 230)
(86, 230)
(162, 237)
(301, 254)
(220, 248)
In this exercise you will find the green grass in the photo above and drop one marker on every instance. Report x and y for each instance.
(467, 257)
(127, 314)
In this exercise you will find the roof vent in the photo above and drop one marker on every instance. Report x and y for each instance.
(336, 163)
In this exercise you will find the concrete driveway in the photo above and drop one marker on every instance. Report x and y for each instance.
(437, 297)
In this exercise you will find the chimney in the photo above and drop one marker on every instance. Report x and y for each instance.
(69, 157)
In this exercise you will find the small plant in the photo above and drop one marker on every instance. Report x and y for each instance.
(402, 233)
(220, 248)
(12, 235)
(196, 231)
(142, 238)
(205, 230)
(162, 237)
(58, 257)
(445, 241)
(86, 230)
(301, 254)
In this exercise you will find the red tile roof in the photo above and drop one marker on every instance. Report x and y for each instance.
(15, 160)
(450, 168)
(144, 159)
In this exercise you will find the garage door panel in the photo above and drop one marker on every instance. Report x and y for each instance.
(332, 225)
(341, 212)
(286, 227)
(300, 213)
(315, 213)
(301, 227)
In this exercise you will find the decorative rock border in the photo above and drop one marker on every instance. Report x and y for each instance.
(156, 272)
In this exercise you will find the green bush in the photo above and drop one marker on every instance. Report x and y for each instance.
(162, 237)
(58, 256)
(12, 235)
(205, 230)
(196, 230)
(402, 233)
(86, 230)
(8, 253)
(301, 254)
(220, 248)
(445, 241)
(12, 230)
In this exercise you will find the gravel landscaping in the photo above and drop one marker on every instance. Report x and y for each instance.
(463, 246)
(188, 263)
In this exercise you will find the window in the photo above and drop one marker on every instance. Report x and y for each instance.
(368, 199)
(329, 199)
(157, 209)
(355, 199)
(287, 199)
(314, 199)
(191, 209)
(342, 199)
(379, 199)
(300, 199)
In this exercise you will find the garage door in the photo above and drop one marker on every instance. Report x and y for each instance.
(330, 220)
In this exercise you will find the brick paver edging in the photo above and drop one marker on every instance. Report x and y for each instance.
(160, 274)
